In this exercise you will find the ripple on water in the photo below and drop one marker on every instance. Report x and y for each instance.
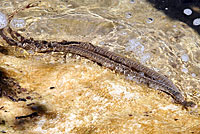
(184, 69)
(145, 57)
(150, 20)
(128, 15)
(135, 46)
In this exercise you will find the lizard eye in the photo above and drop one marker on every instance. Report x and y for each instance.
(3, 20)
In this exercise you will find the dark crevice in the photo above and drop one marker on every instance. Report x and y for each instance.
(174, 9)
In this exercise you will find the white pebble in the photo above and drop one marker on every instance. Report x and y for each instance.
(18, 23)
(185, 57)
(196, 22)
(3, 20)
(193, 75)
(185, 70)
(187, 11)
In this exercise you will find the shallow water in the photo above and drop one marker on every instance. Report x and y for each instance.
(88, 98)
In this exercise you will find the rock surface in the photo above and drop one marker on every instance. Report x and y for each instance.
(74, 95)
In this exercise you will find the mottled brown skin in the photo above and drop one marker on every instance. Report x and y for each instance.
(101, 56)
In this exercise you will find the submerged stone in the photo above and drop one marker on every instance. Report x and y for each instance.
(3, 20)
(187, 11)
(18, 23)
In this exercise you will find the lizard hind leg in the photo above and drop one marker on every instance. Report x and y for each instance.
(9, 40)
(15, 35)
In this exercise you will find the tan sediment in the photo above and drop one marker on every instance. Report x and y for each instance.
(88, 98)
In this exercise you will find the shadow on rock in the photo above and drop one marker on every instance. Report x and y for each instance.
(38, 110)
(10, 88)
